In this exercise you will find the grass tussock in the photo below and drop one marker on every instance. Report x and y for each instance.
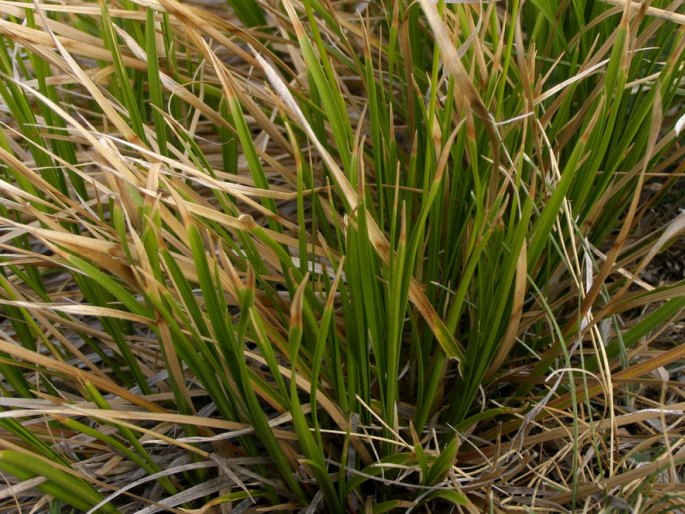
(325, 256)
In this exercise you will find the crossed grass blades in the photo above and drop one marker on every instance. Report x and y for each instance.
(339, 257)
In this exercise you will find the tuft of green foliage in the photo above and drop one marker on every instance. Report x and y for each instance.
(328, 256)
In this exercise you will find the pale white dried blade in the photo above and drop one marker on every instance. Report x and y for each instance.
(149, 478)
(79, 310)
(674, 229)
(679, 125)
(650, 11)
(204, 489)
(15, 490)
